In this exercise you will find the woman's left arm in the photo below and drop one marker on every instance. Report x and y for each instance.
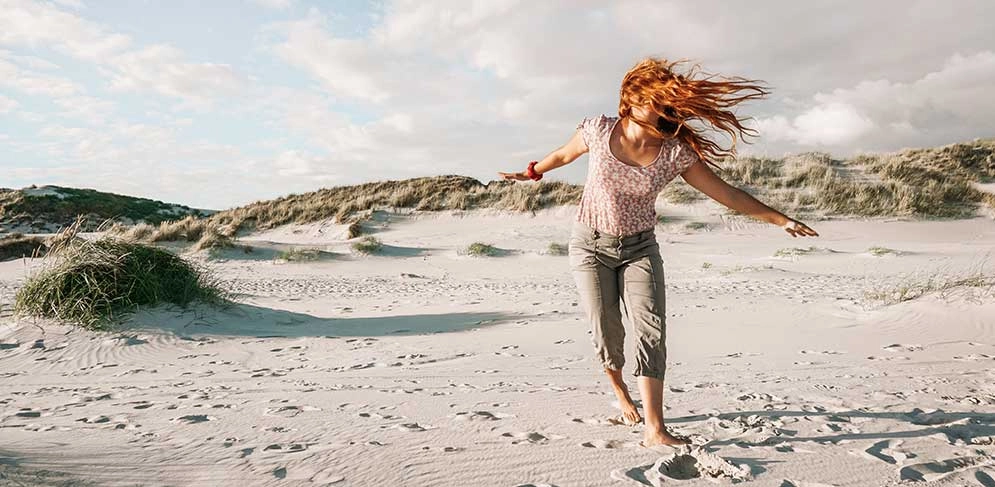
(701, 177)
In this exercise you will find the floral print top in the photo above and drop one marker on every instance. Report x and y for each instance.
(619, 199)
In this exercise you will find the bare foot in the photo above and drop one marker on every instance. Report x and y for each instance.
(630, 415)
(653, 437)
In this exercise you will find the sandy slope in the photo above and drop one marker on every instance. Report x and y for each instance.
(423, 366)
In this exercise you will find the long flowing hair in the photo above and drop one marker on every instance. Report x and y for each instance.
(681, 97)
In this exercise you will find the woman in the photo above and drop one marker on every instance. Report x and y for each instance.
(614, 256)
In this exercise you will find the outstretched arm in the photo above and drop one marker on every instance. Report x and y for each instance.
(701, 177)
(574, 148)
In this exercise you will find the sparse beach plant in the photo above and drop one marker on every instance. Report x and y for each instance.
(880, 251)
(367, 245)
(556, 248)
(794, 251)
(979, 284)
(480, 249)
(697, 226)
(299, 255)
(95, 283)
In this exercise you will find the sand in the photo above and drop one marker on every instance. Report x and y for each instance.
(426, 366)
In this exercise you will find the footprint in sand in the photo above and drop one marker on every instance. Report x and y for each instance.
(609, 444)
(286, 448)
(941, 469)
(887, 451)
(288, 411)
(481, 416)
(194, 418)
(898, 347)
(824, 352)
(532, 437)
(686, 463)
(412, 427)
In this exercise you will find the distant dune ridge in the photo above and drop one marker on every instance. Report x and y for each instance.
(946, 181)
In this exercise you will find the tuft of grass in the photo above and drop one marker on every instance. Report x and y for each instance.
(479, 249)
(794, 251)
(879, 251)
(915, 286)
(95, 284)
(706, 265)
(214, 241)
(299, 255)
(680, 193)
(662, 219)
(556, 248)
(367, 245)
(354, 230)
(697, 226)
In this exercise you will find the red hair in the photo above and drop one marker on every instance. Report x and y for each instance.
(682, 97)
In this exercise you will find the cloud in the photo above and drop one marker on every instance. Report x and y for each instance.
(7, 104)
(162, 69)
(274, 4)
(954, 102)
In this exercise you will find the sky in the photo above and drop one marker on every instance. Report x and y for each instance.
(218, 104)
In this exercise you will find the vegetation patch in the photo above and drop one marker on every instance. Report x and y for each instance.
(367, 245)
(479, 249)
(794, 251)
(976, 283)
(881, 251)
(96, 283)
(300, 255)
(556, 248)
(697, 226)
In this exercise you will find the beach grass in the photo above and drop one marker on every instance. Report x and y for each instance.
(96, 283)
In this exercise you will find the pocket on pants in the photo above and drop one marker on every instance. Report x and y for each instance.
(580, 254)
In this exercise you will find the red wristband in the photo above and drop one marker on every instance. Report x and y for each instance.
(531, 172)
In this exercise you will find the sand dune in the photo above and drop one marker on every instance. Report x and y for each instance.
(421, 365)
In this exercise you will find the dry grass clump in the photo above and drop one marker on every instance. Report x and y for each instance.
(16, 245)
(367, 245)
(974, 284)
(300, 255)
(556, 248)
(94, 283)
(212, 239)
(794, 251)
(426, 193)
(189, 229)
(880, 251)
(697, 226)
(679, 192)
(480, 249)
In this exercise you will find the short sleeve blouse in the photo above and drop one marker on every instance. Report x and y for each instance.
(620, 199)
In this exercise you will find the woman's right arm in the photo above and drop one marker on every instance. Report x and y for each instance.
(569, 152)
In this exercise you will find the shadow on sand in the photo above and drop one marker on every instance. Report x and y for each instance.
(240, 319)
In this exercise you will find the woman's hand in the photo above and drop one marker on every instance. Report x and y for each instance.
(796, 228)
(514, 176)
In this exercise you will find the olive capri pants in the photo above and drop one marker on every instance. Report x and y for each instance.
(610, 271)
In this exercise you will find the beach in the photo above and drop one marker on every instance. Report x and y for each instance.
(864, 356)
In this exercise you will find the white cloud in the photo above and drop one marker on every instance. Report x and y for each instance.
(7, 104)
(162, 69)
(949, 104)
(37, 23)
(274, 4)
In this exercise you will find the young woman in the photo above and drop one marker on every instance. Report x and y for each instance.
(613, 253)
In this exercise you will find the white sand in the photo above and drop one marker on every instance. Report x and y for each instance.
(424, 366)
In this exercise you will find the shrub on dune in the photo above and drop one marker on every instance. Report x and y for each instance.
(95, 283)
(478, 249)
(367, 245)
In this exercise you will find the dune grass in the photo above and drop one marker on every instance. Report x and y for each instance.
(96, 283)
(880, 251)
(697, 226)
(480, 249)
(976, 283)
(367, 245)
(299, 255)
(556, 248)
(794, 251)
